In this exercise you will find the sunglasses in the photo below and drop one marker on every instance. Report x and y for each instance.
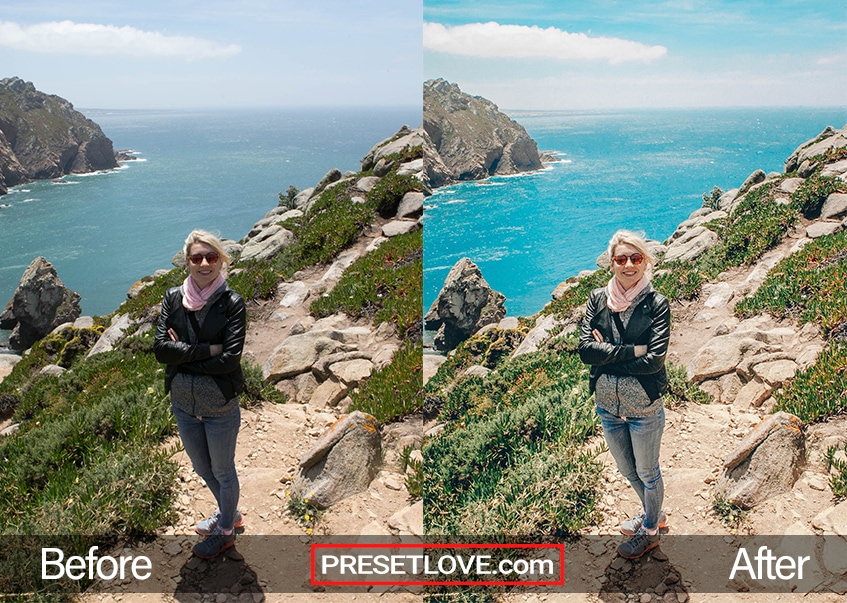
(635, 258)
(197, 258)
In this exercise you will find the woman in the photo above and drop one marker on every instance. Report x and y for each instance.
(200, 337)
(624, 338)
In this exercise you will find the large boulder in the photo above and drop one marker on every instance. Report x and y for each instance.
(465, 304)
(40, 304)
(343, 462)
(830, 138)
(472, 138)
(765, 463)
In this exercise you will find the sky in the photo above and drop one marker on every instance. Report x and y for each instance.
(609, 54)
(176, 54)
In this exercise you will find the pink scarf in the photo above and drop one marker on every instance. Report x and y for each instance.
(193, 297)
(619, 299)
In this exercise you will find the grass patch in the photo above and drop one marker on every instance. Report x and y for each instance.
(820, 391)
(836, 466)
(510, 459)
(394, 391)
(681, 390)
(383, 286)
(810, 285)
(729, 514)
(256, 389)
(578, 295)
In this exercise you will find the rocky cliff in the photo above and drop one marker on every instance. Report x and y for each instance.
(470, 138)
(43, 136)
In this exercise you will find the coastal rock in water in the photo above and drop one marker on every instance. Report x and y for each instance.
(766, 462)
(465, 304)
(342, 462)
(40, 304)
(43, 136)
(472, 138)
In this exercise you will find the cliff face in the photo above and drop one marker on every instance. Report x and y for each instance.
(471, 139)
(43, 136)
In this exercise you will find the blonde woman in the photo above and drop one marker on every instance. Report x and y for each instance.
(200, 337)
(624, 338)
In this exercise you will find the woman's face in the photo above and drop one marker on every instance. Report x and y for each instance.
(205, 272)
(629, 273)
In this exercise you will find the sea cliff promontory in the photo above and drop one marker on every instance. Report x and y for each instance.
(471, 138)
(43, 136)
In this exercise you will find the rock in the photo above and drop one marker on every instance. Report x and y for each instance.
(411, 205)
(352, 372)
(828, 139)
(112, 335)
(52, 369)
(720, 355)
(510, 322)
(293, 294)
(777, 372)
(720, 294)
(691, 245)
(404, 140)
(40, 304)
(476, 371)
(753, 393)
(328, 393)
(471, 139)
(408, 520)
(767, 462)
(465, 304)
(367, 183)
(333, 175)
(539, 334)
(43, 136)
(789, 185)
(267, 243)
(815, 230)
(398, 227)
(727, 200)
(298, 353)
(835, 207)
(754, 178)
(833, 520)
(342, 462)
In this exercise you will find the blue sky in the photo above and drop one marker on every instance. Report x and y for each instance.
(192, 54)
(565, 54)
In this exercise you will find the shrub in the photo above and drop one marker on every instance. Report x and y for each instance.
(681, 390)
(256, 389)
(820, 391)
(837, 468)
(711, 200)
(386, 195)
(254, 279)
(810, 196)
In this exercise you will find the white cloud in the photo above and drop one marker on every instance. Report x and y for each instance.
(67, 37)
(519, 41)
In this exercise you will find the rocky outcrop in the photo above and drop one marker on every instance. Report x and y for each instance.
(465, 304)
(40, 304)
(341, 463)
(471, 138)
(766, 462)
(43, 136)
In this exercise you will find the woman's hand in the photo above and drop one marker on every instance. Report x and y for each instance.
(172, 334)
(640, 350)
(216, 349)
(597, 335)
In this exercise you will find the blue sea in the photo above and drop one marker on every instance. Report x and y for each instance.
(642, 170)
(217, 170)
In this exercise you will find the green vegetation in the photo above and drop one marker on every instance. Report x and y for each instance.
(820, 391)
(413, 468)
(383, 286)
(729, 514)
(513, 458)
(711, 200)
(681, 390)
(810, 285)
(394, 391)
(836, 465)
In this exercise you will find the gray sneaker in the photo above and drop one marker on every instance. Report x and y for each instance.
(639, 544)
(214, 544)
(631, 526)
(207, 526)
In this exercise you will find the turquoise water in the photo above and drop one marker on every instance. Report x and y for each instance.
(217, 170)
(642, 170)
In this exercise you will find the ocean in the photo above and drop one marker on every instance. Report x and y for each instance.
(642, 170)
(217, 170)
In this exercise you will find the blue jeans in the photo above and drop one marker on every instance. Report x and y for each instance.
(210, 444)
(634, 443)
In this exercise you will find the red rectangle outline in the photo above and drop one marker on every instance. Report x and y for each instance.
(560, 582)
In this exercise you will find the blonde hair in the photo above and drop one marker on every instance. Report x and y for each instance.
(633, 239)
(207, 238)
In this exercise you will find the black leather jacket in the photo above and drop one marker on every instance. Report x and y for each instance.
(650, 325)
(225, 323)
